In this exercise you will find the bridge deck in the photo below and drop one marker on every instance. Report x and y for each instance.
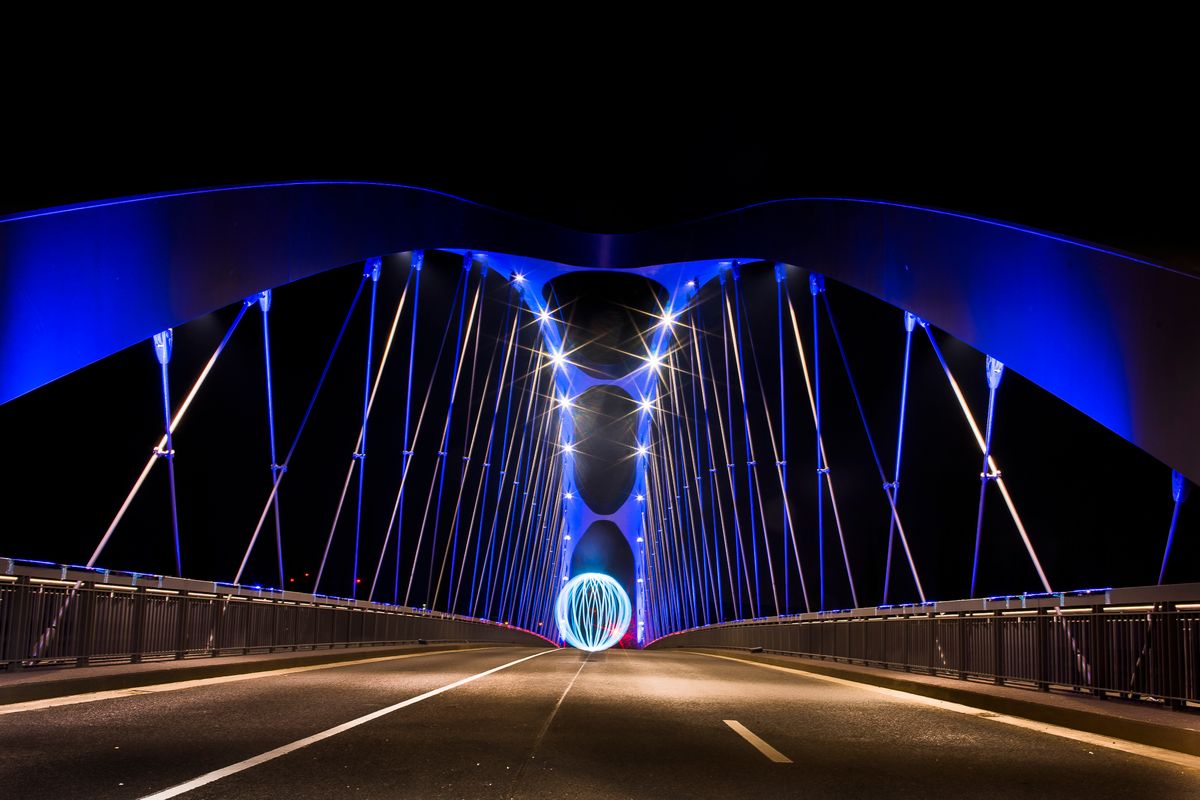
(558, 724)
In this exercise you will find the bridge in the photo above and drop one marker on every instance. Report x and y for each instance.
(479, 505)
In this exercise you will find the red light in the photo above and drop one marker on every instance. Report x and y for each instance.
(358, 580)
(306, 574)
(291, 580)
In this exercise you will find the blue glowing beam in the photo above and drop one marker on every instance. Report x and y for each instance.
(593, 612)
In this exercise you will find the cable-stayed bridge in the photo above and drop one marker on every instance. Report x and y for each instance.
(461, 411)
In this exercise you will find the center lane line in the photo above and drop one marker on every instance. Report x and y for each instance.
(271, 755)
(754, 739)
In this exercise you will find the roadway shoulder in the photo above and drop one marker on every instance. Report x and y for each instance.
(40, 683)
(1135, 721)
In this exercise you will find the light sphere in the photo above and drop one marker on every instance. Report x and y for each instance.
(593, 612)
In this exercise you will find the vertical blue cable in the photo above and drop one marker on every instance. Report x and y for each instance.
(780, 277)
(1179, 493)
(737, 527)
(487, 460)
(494, 557)
(910, 322)
(737, 309)
(994, 372)
(264, 304)
(816, 285)
(373, 267)
(163, 344)
(442, 450)
(483, 273)
(418, 261)
(712, 566)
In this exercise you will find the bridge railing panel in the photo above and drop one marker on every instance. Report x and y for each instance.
(62, 622)
(1147, 652)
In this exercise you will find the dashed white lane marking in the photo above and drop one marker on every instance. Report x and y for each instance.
(91, 697)
(1148, 751)
(754, 739)
(271, 755)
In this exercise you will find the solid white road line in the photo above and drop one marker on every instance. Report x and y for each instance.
(271, 755)
(1125, 746)
(133, 691)
(756, 740)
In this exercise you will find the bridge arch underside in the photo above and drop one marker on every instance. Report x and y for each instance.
(1112, 335)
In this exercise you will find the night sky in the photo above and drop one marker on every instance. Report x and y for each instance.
(1097, 508)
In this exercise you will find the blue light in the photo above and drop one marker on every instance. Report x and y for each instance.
(593, 612)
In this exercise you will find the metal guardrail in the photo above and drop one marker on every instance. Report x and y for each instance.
(56, 615)
(1145, 645)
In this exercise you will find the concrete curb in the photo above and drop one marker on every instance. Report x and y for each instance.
(1167, 737)
(131, 679)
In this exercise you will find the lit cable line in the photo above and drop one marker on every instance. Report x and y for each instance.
(991, 462)
(460, 346)
(162, 442)
(714, 483)
(751, 460)
(439, 472)
(418, 261)
(508, 443)
(910, 321)
(739, 563)
(303, 422)
(887, 488)
(820, 444)
(693, 488)
(524, 431)
(481, 488)
(451, 551)
(264, 305)
(368, 405)
(396, 519)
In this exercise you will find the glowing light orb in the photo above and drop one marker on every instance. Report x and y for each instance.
(593, 612)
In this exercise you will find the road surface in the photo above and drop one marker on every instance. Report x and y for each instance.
(549, 724)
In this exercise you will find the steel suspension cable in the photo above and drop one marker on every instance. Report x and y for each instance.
(481, 490)
(418, 261)
(162, 442)
(862, 414)
(283, 468)
(780, 464)
(264, 305)
(910, 321)
(1179, 493)
(718, 505)
(990, 460)
(443, 452)
(752, 489)
(808, 386)
(162, 348)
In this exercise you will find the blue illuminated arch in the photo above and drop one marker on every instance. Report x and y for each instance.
(1113, 335)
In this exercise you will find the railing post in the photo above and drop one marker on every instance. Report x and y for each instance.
(1173, 680)
(181, 624)
(997, 623)
(218, 618)
(933, 639)
(137, 640)
(908, 623)
(19, 624)
(1041, 632)
(274, 627)
(86, 600)
(1098, 653)
(960, 622)
(247, 628)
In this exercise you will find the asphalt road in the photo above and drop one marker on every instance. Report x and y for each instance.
(562, 724)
